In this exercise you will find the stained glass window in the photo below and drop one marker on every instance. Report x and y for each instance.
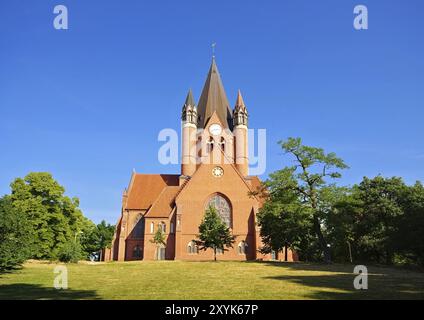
(223, 207)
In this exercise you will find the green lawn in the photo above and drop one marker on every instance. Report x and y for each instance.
(209, 280)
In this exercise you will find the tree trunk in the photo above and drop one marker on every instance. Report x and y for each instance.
(389, 258)
(321, 239)
(350, 251)
(214, 254)
(317, 226)
(286, 258)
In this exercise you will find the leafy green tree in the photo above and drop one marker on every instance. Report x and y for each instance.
(55, 217)
(96, 237)
(214, 233)
(16, 236)
(342, 215)
(409, 240)
(379, 221)
(284, 223)
(159, 239)
(306, 183)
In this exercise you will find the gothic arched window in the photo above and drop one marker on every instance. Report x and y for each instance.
(210, 144)
(138, 229)
(222, 144)
(222, 205)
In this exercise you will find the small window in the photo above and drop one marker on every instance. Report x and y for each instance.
(210, 144)
(137, 252)
(222, 144)
(192, 248)
(152, 227)
(162, 226)
(219, 251)
(172, 227)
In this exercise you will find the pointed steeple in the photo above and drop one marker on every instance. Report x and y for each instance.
(189, 112)
(240, 114)
(239, 102)
(213, 99)
(189, 100)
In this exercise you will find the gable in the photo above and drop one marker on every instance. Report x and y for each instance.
(202, 183)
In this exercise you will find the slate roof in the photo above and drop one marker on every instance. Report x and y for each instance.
(213, 98)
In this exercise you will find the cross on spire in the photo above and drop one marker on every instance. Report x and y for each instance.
(213, 49)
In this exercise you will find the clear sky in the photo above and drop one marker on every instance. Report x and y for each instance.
(87, 103)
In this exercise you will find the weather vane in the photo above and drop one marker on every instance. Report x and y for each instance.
(213, 49)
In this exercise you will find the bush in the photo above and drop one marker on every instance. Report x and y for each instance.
(70, 252)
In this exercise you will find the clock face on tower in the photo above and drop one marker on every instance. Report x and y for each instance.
(217, 172)
(215, 129)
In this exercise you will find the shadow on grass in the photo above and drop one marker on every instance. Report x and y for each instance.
(23, 291)
(337, 282)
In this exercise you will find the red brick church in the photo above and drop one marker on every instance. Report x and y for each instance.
(214, 171)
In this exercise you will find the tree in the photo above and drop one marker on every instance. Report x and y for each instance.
(342, 216)
(96, 237)
(16, 236)
(284, 224)
(306, 184)
(55, 218)
(381, 202)
(409, 238)
(158, 239)
(213, 233)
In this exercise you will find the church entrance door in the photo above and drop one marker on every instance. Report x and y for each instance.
(160, 254)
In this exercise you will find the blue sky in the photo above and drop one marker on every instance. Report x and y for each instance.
(87, 104)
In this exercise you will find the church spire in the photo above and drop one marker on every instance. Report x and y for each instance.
(189, 100)
(189, 112)
(213, 99)
(240, 114)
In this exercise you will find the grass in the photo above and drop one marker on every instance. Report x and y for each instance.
(209, 280)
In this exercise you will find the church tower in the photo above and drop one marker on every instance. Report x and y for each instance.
(189, 131)
(240, 132)
(212, 126)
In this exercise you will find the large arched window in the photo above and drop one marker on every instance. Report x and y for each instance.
(138, 230)
(222, 205)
